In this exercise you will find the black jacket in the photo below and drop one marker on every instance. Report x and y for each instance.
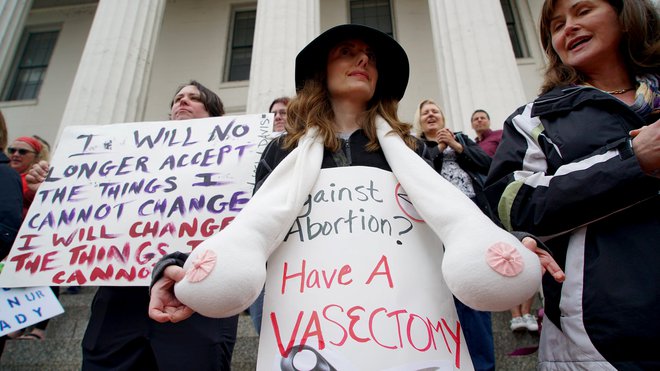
(565, 172)
(353, 153)
(11, 205)
(474, 161)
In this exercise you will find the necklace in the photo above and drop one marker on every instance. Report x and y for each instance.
(619, 91)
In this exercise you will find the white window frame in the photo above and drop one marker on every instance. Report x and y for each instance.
(391, 6)
(519, 29)
(12, 73)
(230, 47)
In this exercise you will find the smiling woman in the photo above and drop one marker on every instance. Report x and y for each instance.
(579, 166)
(24, 152)
(576, 34)
(586, 36)
(459, 160)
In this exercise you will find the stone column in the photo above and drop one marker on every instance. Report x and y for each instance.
(475, 62)
(113, 74)
(13, 14)
(282, 29)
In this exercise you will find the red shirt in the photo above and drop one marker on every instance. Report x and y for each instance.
(28, 195)
(489, 141)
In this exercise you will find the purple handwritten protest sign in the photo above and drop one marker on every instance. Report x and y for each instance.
(118, 197)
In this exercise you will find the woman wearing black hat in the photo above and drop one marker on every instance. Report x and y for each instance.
(349, 82)
(342, 95)
(339, 98)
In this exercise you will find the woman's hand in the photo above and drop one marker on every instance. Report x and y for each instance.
(163, 305)
(548, 263)
(36, 175)
(447, 136)
(441, 145)
(646, 145)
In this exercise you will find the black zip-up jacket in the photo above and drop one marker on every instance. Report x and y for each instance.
(566, 171)
(11, 205)
(353, 153)
(474, 161)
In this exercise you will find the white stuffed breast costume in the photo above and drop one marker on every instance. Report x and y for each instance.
(484, 266)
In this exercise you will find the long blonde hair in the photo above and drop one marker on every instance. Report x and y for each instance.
(311, 107)
(417, 122)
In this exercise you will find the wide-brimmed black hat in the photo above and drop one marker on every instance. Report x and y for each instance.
(391, 59)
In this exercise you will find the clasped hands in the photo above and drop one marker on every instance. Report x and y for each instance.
(446, 138)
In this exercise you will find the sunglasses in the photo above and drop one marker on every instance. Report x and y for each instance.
(21, 151)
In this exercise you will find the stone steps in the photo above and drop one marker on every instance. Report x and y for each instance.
(61, 348)
(244, 357)
(507, 341)
(61, 351)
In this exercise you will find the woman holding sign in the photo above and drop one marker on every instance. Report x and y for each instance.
(119, 334)
(344, 119)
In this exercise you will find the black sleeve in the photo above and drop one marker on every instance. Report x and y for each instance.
(473, 157)
(435, 157)
(11, 208)
(270, 158)
(520, 235)
(424, 152)
(7, 237)
(175, 258)
(575, 194)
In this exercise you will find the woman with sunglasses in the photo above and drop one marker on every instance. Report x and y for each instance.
(23, 153)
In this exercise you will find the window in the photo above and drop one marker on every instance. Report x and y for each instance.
(29, 70)
(240, 53)
(372, 13)
(513, 23)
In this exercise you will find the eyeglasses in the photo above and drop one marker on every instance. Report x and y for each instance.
(21, 151)
(281, 112)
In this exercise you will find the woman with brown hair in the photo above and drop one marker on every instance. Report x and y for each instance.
(278, 109)
(579, 167)
(349, 81)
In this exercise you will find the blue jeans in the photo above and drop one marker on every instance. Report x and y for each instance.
(478, 332)
(256, 309)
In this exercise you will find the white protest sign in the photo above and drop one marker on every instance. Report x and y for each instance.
(118, 197)
(357, 284)
(23, 307)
